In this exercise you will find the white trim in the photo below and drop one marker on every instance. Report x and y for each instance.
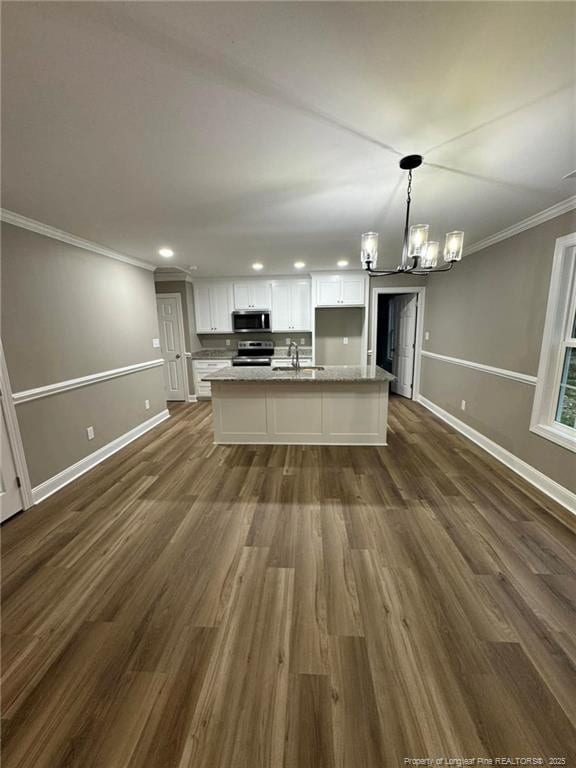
(525, 378)
(14, 436)
(562, 282)
(192, 399)
(48, 487)
(420, 290)
(564, 206)
(65, 237)
(529, 473)
(63, 386)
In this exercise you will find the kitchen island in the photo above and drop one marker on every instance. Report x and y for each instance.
(340, 405)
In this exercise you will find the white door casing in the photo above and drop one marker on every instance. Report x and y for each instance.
(403, 364)
(171, 328)
(11, 501)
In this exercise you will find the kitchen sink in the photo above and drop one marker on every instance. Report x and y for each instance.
(302, 368)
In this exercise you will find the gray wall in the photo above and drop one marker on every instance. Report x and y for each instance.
(68, 313)
(490, 309)
(332, 325)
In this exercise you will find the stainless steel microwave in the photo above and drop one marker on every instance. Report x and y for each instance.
(250, 320)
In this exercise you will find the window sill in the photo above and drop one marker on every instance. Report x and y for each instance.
(556, 434)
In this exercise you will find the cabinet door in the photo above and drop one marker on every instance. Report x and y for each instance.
(352, 291)
(202, 309)
(329, 291)
(242, 298)
(221, 308)
(300, 305)
(260, 295)
(281, 306)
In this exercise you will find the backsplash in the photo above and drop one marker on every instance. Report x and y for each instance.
(218, 341)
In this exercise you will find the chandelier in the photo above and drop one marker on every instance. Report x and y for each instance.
(420, 256)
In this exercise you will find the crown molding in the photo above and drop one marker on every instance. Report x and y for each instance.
(564, 206)
(9, 217)
(175, 276)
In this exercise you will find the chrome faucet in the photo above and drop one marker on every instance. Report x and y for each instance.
(294, 356)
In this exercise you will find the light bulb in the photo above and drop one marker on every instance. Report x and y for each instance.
(417, 240)
(429, 257)
(369, 250)
(454, 246)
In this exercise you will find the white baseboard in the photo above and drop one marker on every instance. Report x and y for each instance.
(192, 399)
(532, 475)
(53, 484)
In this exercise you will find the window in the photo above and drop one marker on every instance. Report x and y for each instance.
(554, 411)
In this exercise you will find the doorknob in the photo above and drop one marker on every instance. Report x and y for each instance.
(178, 357)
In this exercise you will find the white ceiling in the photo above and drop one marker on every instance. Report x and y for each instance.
(242, 132)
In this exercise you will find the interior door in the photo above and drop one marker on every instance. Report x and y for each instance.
(172, 344)
(405, 336)
(10, 497)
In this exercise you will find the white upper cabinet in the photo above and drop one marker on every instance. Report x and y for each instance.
(291, 305)
(213, 307)
(340, 290)
(252, 294)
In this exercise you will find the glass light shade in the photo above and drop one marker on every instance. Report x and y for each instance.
(369, 248)
(417, 240)
(429, 258)
(454, 246)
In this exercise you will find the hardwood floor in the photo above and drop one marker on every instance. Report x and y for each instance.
(187, 605)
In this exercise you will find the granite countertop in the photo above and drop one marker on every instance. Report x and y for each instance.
(357, 374)
(217, 353)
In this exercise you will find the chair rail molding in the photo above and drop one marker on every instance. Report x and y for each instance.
(17, 220)
(525, 378)
(564, 206)
(83, 381)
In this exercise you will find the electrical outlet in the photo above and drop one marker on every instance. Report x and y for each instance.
(427, 336)
(463, 405)
(302, 341)
(288, 341)
(345, 340)
(227, 342)
(156, 343)
(147, 404)
(90, 433)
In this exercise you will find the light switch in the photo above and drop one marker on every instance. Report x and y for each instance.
(345, 340)
(427, 336)
(147, 404)
(156, 343)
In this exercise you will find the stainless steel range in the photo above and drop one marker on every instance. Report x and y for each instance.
(254, 353)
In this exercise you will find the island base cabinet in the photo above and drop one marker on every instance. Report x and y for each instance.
(300, 414)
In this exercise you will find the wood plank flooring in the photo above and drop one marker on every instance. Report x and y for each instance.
(186, 605)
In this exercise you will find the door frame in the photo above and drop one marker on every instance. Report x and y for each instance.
(420, 291)
(14, 436)
(185, 353)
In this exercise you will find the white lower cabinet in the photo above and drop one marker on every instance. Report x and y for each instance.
(202, 368)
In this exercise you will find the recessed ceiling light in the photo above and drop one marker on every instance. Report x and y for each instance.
(299, 264)
(167, 253)
(343, 263)
(257, 266)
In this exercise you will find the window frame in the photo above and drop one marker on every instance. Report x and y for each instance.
(560, 311)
